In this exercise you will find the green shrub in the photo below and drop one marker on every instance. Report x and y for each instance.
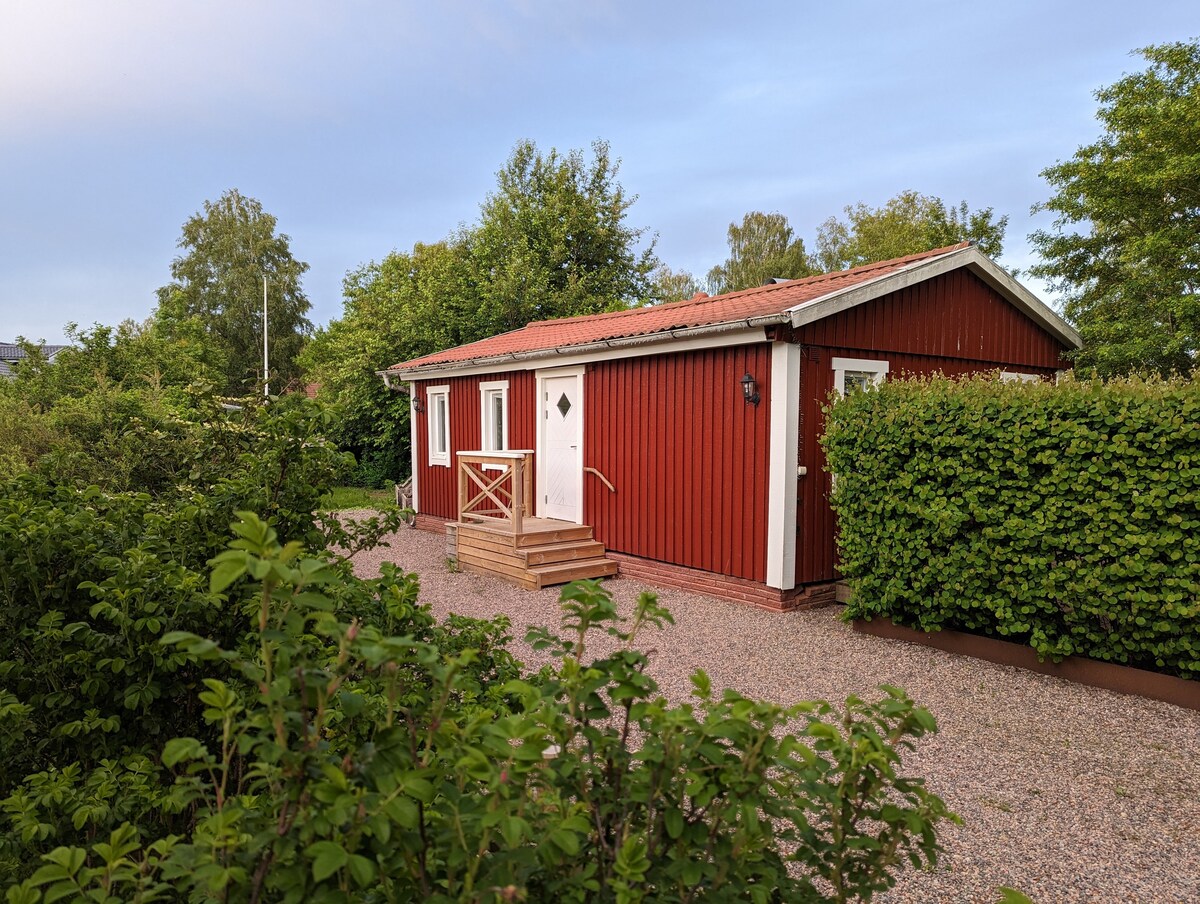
(1065, 517)
(343, 761)
(91, 579)
(377, 470)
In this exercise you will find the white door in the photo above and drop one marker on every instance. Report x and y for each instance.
(561, 455)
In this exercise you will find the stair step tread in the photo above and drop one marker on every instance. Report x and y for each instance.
(560, 544)
(572, 565)
(569, 534)
(562, 552)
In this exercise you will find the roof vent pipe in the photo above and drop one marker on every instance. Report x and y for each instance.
(775, 280)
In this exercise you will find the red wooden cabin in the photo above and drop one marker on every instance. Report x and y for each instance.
(683, 438)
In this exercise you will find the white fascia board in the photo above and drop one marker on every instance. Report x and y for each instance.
(1000, 280)
(783, 448)
(738, 332)
(852, 296)
(972, 257)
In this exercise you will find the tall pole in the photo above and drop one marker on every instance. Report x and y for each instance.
(266, 360)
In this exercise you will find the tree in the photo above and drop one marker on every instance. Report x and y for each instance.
(218, 283)
(130, 356)
(761, 248)
(907, 224)
(1125, 245)
(553, 241)
(72, 418)
(672, 285)
(402, 307)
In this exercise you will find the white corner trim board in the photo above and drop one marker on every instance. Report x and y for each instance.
(412, 446)
(783, 446)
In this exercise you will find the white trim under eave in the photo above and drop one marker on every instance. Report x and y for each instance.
(667, 343)
(782, 472)
(972, 258)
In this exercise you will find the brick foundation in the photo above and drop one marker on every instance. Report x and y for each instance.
(431, 523)
(739, 590)
(679, 577)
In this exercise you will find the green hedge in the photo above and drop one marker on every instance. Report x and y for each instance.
(1065, 517)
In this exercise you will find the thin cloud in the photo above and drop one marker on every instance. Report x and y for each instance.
(64, 63)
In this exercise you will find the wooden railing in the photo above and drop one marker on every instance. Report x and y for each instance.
(495, 487)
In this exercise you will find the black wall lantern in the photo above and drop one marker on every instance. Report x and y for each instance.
(750, 390)
(418, 405)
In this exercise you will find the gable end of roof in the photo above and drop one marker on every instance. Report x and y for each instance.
(968, 256)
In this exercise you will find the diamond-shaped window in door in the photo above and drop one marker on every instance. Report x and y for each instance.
(564, 404)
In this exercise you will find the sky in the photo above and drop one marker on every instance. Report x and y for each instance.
(365, 126)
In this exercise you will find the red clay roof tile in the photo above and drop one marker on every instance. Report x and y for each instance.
(701, 310)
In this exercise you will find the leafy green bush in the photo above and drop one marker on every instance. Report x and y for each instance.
(91, 579)
(1065, 517)
(182, 721)
(343, 761)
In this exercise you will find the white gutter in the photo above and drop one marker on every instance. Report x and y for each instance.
(600, 345)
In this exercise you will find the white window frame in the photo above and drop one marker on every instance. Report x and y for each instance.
(487, 392)
(1012, 376)
(438, 456)
(878, 368)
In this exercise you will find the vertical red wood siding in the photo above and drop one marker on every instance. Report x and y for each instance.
(437, 486)
(688, 457)
(955, 315)
(953, 324)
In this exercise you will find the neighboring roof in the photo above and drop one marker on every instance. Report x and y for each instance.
(793, 301)
(10, 351)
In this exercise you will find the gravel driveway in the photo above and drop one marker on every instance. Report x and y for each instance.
(1066, 792)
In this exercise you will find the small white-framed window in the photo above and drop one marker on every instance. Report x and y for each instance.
(437, 407)
(855, 374)
(1010, 376)
(493, 415)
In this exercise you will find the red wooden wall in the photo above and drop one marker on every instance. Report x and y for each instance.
(687, 455)
(953, 324)
(437, 486)
(955, 315)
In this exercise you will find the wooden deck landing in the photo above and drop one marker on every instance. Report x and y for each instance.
(543, 553)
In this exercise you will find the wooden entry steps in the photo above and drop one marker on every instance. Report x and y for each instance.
(544, 553)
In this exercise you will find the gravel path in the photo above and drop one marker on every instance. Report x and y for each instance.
(1066, 792)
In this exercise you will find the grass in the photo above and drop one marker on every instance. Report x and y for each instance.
(341, 498)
